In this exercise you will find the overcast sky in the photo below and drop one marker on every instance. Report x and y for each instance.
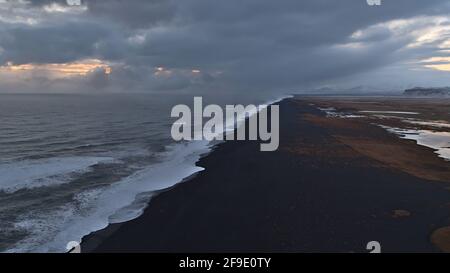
(223, 46)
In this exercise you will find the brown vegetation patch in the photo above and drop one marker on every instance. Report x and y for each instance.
(430, 109)
(374, 142)
(407, 157)
(441, 239)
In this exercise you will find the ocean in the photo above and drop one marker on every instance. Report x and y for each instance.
(72, 164)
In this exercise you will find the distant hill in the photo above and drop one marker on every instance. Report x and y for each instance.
(421, 91)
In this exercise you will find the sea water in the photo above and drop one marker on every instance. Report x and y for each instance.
(72, 164)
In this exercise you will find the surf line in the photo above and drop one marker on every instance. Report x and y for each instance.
(190, 125)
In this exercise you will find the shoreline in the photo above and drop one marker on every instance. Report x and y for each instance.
(285, 201)
(210, 146)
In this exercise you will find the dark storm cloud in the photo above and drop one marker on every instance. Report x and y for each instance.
(132, 13)
(250, 45)
(65, 42)
(138, 14)
(272, 44)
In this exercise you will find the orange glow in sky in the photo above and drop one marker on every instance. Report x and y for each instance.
(79, 68)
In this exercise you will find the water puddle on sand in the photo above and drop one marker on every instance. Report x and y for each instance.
(331, 112)
(389, 112)
(436, 124)
(439, 141)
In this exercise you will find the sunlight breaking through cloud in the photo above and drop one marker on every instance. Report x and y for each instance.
(79, 68)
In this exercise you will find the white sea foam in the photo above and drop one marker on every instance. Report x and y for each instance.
(44, 172)
(240, 119)
(93, 210)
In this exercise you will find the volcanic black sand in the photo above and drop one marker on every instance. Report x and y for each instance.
(330, 187)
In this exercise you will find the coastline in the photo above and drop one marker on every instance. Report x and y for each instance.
(315, 194)
(206, 148)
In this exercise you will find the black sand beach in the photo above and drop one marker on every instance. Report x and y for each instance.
(316, 193)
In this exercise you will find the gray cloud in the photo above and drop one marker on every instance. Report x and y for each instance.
(135, 14)
(56, 43)
(250, 46)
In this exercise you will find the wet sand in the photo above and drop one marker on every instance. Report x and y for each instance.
(332, 186)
